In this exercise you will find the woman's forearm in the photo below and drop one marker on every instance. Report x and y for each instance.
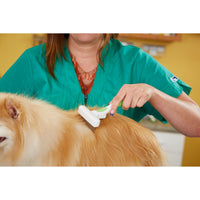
(182, 112)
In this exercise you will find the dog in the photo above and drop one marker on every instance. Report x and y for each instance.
(36, 133)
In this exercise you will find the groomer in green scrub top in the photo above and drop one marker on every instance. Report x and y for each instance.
(96, 69)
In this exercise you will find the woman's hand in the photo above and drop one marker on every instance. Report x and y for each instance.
(132, 95)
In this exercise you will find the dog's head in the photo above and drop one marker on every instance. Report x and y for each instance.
(27, 129)
(11, 122)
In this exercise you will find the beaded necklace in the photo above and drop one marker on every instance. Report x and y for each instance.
(84, 76)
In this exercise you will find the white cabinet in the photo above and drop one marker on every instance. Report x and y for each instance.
(173, 144)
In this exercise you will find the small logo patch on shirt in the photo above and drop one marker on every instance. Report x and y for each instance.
(174, 79)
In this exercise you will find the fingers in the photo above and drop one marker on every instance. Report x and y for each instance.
(116, 100)
(135, 95)
(127, 102)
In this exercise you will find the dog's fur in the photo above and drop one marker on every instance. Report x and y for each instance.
(35, 133)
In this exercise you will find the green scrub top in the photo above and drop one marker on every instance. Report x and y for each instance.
(121, 65)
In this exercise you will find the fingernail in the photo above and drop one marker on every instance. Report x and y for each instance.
(112, 113)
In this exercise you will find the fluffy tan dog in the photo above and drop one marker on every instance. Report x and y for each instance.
(35, 133)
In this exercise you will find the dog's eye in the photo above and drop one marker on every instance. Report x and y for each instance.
(2, 139)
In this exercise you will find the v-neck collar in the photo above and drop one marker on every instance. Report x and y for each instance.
(99, 80)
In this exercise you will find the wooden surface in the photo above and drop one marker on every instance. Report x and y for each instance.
(159, 37)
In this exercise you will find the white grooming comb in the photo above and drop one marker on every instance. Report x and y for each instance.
(89, 116)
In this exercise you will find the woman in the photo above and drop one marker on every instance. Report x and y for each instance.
(96, 69)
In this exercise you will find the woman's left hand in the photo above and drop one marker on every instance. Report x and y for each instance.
(132, 95)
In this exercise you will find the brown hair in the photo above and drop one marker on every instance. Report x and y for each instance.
(54, 49)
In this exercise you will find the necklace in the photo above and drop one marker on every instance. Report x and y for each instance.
(82, 73)
(85, 79)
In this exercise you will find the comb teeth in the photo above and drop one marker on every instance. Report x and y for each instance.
(88, 116)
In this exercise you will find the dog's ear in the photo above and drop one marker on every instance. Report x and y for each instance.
(12, 108)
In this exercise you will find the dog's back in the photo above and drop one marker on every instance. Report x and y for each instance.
(120, 141)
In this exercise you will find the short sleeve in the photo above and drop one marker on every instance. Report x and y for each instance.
(153, 73)
(18, 79)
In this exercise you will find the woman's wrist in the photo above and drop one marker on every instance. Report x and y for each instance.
(158, 98)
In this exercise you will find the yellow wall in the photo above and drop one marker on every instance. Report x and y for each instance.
(181, 58)
(11, 47)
